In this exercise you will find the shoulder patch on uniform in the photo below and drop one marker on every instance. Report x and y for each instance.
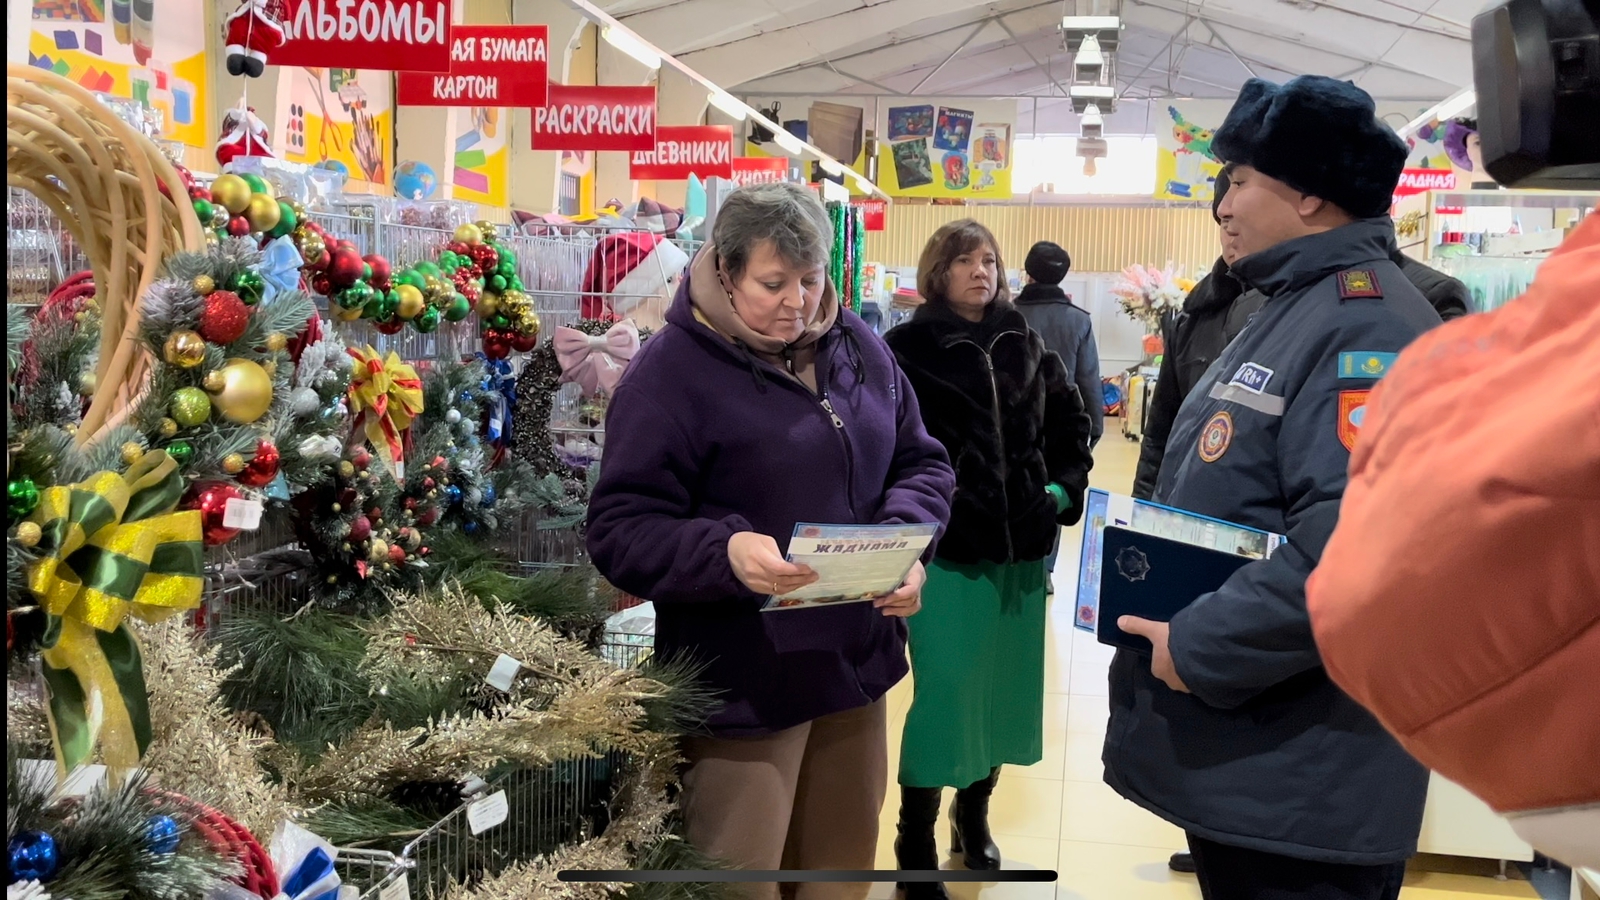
(1352, 410)
(1365, 365)
(1215, 437)
(1355, 284)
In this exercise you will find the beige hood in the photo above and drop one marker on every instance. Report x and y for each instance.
(714, 308)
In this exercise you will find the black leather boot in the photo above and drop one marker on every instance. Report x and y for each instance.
(914, 848)
(969, 826)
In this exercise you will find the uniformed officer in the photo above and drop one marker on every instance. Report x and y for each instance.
(1232, 730)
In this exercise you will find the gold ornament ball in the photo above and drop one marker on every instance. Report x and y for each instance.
(132, 452)
(263, 212)
(531, 323)
(214, 381)
(347, 469)
(184, 349)
(378, 550)
(270, 367)
(204, 284)
(276, 342)
(313, 249)
(86, 383)
(487, 229)
(337, 507)
(168, 427)
(233, 464)
(298, 208)
(488, 304)
(232, 192)
(246, 391)
(347, 315)
(29, 533)
(212, 240)
(469, 234)
(411, 301)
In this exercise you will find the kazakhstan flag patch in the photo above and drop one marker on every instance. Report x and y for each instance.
(1365, 365)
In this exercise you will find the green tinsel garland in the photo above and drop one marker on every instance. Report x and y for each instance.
(858, 236)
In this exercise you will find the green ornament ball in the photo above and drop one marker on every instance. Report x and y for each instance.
(189, 406)
(499, 320)
(497, 283)
(412, 277)
(356, 296)
(385, 306)
(457, 309)
(204, 211)
(287, 220)
(515, 283)
(507, 267)
(182, 452)
(22, 497)
(258, 185)
(366, 272)
(428, 321)
(249, 285)
(428, 268)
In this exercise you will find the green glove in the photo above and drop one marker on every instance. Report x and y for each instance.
(1059, 495)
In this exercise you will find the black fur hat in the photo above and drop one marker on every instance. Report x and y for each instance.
(1319, 136)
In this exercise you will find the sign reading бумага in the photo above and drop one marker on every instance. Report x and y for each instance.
(596, 118)
(490, 65)
(684, 150)
(388, 35)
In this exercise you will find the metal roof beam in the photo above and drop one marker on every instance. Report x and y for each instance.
(946, 61)
(1229, 47)
(1019, 42)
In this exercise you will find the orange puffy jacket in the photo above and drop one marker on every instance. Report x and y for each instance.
(1459, 597)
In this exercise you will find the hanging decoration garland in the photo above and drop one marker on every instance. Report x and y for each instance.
(510, 322)
(858, 236)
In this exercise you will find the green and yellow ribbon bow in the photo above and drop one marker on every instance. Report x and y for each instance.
(112, 545)
(386, 395)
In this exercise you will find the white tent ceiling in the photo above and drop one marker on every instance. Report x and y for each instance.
(1395, 49)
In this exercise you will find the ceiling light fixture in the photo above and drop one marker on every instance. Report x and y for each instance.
(1444, 110)
(729, 104)
(629, 43)
(834, 168)
(790, 144)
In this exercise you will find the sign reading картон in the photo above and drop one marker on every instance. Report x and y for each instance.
(390, 35)
(684, 150)
(490, 65)
(596, 118)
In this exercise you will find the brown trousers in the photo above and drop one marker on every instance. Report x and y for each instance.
(805, 798)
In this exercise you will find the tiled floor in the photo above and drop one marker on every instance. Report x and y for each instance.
(1059, 815)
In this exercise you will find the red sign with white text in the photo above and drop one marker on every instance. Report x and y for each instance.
(490, 65)
(748, 170)
(684, 150)
(596, 118)
(389, 35)
(874, 214)
(1418, 181)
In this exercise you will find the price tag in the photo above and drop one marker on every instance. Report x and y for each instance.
(244, 515)
(398, 889)
(504, 673)
(485, 814)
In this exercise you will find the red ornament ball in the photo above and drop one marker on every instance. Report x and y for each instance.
(263, 468)
(362, 457)
(321, 283)
(239, 226)
(486, 257)
(429, 517)
(211, 499)
(347, 498)
(375, 514)
(397, 555)
(523, 342)
(391, 327)
(495, 346)
(347, 267)
(381, 270)
(224, 317)
(360, 529)
(411, 503)
(460, 248)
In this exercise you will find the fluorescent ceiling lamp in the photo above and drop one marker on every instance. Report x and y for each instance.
(1449, 108)
(1090, 23)
(832, 167)
(862, 184)
(1092, 91)
(788, 142)
(629, 43)
(729, 104)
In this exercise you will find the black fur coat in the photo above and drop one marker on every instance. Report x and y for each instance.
(1012, 421)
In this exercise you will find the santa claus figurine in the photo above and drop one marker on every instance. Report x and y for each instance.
(633, 275)
(250, 33)
(243, 134)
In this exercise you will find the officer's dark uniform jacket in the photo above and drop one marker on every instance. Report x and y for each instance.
(1267, 753)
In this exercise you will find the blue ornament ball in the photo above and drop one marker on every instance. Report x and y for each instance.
(161, 834)
(489, 496)
(33, 856)
(470, 527)
(453, 492)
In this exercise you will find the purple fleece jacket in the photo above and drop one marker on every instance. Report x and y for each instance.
(704, 441)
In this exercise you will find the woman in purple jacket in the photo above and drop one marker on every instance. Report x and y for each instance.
(762, 404)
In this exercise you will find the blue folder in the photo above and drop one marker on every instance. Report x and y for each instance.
(1154, 578)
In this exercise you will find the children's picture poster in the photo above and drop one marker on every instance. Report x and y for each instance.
(152, 53)
(1186, 166)
(339, 119)
(957, 173)
(910, 122)
(912, 167)
(954, 130)
(482, 161)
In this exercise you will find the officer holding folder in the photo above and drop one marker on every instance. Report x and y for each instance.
(1231, 729)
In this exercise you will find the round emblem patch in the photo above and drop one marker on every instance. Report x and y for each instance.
(1215, 437)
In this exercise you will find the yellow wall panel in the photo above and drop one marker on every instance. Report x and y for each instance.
(1100, 238)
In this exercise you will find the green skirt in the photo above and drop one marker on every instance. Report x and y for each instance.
(977, 666)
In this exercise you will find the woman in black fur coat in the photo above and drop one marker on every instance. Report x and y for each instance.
(1017, 434)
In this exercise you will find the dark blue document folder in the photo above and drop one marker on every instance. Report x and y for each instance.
(1154, 578)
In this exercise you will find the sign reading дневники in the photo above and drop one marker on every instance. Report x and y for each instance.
(683, 150)
(490, 65)
(390, 35)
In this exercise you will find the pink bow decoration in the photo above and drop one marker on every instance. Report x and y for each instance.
(596, 363)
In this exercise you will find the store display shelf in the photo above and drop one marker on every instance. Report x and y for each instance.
(1517, 199)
